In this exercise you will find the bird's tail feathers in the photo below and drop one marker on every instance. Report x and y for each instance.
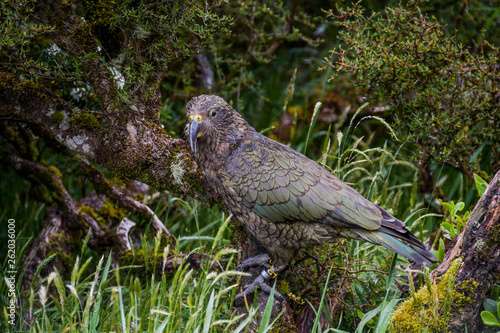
(412, 251)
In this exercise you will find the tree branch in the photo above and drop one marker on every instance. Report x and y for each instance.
(131, 148)
(105, 187)
(44, 176)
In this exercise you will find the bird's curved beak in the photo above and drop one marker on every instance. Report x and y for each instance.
(194, 129)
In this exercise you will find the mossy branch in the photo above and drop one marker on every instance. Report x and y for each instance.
(132, 149)
(50, 177)
(103, 186)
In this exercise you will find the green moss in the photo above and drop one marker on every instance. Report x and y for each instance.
(283, 287)
(461, 294)
(285, 324)
(493, 241)
(55, 171)
(25, 91)
(238, 232)
(56, 189)
(85, 120)
(64, 248)
(16, 138)
(106, 216)
(112, 211)
(101, 222)
(57, 117)
(97, 11)
(427, 309)
(139, 197)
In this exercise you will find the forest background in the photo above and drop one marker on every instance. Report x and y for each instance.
(399, 100)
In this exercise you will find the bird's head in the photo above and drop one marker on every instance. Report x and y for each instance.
(210, 119)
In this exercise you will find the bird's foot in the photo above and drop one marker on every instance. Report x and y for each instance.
(261, 283)
(258, 260)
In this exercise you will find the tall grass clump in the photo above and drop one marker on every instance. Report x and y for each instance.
(371, 274)
(102, 298)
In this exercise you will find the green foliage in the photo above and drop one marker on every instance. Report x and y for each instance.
(251, 66)
(456, 223)
(384, 311)
(15, 35)
(140, 40)
(470, 22)
(491, 314)
(481, 185)
(111, 299)
(137, 42)
(258, 29)
(442, 96)
(263, 56)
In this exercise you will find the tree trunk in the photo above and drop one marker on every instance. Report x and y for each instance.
(453, 300)
(479, 246)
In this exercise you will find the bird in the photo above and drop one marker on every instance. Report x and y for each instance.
(285, 200)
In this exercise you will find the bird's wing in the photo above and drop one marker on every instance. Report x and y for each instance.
(282, 185)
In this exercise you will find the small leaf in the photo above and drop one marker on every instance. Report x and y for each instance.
(367, 317)
(447, 226)
(481, 185)
(458, 207)
(266, 315)
(360, 313)
(385, 316)
(209, 313)
(449, 230)
(440, 251)
(489, 319)
(448, 206)
(460, 224)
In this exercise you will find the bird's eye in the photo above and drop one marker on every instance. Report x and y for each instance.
(213, 113)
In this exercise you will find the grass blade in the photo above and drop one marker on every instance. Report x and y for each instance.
(385, 316)
(266, 316)
(311, 125)
(209, 313)
(97, 309)
(366, 318)
(320, 308)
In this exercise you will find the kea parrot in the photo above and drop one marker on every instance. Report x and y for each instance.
(286, 201)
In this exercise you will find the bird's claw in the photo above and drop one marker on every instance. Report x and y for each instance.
(260, 283)
(258, 260)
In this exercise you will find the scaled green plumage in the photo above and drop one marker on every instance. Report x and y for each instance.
(285, 200)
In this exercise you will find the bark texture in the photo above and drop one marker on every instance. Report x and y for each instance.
(452, 301)
(479, 246)
(129, 144)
